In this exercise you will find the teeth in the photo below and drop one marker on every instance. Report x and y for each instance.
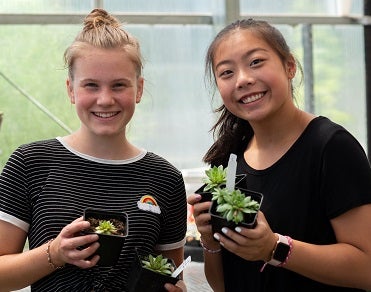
(105, 115)
(251, 98)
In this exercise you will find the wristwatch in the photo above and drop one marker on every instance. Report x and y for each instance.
(280, 252)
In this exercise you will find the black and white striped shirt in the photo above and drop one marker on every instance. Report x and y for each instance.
(45, 185)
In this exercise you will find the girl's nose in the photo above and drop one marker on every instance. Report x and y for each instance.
(244, 79)
(105, 98)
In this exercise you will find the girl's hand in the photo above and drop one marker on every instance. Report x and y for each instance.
(200, 213)
(250, 244)
(73, 248)
(178, 287)
(202, 220)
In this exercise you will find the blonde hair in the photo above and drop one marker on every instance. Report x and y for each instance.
(102, 30)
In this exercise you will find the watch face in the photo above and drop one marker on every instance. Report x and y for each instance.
(281, 252)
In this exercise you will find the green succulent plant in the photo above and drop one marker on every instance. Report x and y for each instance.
(215, 177)
(232, 205)
(105, 227)
(158, 264)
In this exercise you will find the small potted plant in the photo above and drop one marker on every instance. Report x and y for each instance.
(112, 228)
(231, 208)
(150, 272)
(216, 177)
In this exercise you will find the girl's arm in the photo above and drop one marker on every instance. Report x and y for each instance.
(212, 254)
(346, 263)
(19, 269)
(213, 266)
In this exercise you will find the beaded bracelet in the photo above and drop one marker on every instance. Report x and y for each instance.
(49, 257)
(209, 250)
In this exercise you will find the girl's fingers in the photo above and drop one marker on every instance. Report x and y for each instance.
(79, 250)
(193, 199)
(87, 263)
(201, 208)
(82, 252)
(78, 219)
(75, 227)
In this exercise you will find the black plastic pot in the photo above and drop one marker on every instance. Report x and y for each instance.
(110, 245)
(206, 196)
(144, 280)
(218, 222)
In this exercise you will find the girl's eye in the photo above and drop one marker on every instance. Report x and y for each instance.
(256, 62)
(225, 73)
(91, 85)
(118, 86)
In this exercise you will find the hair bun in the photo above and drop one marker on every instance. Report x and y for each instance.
(98, 18)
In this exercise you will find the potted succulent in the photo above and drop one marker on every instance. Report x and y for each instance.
(216, 177)
(150, 272)
(112, 228)
(231, 208)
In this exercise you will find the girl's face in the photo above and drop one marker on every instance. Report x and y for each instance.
(252, 81)
(105, 90)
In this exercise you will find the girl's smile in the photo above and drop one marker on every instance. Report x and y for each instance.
(251, 78)
(105, 115)
(251, 98)
(105, 89)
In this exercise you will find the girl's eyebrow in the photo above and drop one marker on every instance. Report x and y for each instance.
(96, 80)
(87, 80)
(247, 54)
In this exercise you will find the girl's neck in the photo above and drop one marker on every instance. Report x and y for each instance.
(273, 139)
(278, 130)
(112, 148)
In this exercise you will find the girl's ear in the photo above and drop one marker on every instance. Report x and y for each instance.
(70, 90)
(291, 68)
(140, 86)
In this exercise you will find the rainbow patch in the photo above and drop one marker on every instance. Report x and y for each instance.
(148, 203)
(148, 200)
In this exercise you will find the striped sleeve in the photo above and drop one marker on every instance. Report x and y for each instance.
(14, 205)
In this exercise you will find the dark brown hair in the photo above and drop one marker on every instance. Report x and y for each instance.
(231, 133)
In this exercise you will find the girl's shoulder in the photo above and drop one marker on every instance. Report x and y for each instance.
(322, 133)
(324, 127)
(49, 145)
(160, 164)
(159, 160)
(321, 130)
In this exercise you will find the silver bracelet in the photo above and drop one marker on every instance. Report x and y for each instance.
(209, 250)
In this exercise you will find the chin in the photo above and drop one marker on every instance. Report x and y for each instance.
(106, 134)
